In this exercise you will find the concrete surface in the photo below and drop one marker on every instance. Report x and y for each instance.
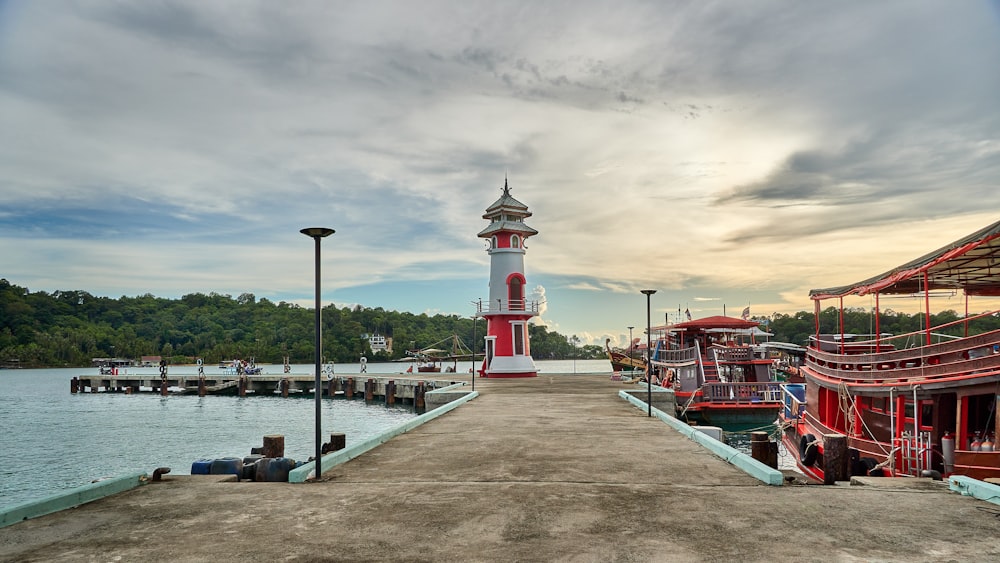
(554, 468)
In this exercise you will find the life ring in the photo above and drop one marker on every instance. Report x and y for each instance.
(808, 450)
(200, 362)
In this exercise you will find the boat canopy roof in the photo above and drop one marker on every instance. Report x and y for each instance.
(718, 321)
(971, 264)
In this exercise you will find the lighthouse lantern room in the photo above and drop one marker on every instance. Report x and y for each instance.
(508, 350)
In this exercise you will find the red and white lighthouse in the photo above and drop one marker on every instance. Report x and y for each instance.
(508, 351)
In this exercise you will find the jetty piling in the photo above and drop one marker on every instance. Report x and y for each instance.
(835, 458)
(763, 449)
(274, 446)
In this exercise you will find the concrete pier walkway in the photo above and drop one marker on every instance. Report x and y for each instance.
(554, 468)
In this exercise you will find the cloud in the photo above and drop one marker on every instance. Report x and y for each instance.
(697, 148)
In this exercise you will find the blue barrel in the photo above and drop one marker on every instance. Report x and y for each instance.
(274, 469)
(227, 466)
(201, 467)
(797, 390)
(252, 459)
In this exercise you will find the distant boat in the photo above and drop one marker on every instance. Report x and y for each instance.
(622, 360)
(923, 403)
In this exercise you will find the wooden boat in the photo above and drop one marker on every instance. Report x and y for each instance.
(624, 361)
(905, 409)
(718, 381)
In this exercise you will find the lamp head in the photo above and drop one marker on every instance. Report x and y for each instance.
(317, 232)
(648, 291)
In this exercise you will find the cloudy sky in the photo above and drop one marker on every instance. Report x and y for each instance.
(723, 153)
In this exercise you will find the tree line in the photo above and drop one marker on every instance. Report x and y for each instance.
(70, 328)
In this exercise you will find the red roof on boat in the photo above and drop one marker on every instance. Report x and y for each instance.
(969, 264)
(717, 321)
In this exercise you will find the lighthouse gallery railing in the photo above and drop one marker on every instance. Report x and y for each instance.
(506, 306)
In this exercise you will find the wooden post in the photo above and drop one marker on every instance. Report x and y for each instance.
(242, 386)
(761, 449)
(202, 389)
(338, 441)
(94, 386)
(349, 388)
(390, 393)
(835, 458)
(369, 389)
(274, 445)
(163, 387)
(331, 389)
(74, 385)
(284, 389)
(418, 396)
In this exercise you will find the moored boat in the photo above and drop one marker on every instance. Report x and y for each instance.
(717, 380)
(922, 403)
(624, 361)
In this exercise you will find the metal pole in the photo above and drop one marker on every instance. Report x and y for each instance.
(474, 319)
(649, 354)
(317, 233)
(630, 365)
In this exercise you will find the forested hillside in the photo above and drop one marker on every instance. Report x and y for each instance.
(69, 328)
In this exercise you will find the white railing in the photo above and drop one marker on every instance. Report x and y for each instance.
(487, 306)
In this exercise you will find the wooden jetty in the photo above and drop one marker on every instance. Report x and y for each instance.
(388, 389)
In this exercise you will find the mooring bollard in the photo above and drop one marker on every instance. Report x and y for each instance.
(390, 393)
(74, 385)
(338, 441)
(418, 396)
(763, 449)
(835, 458)
(284, 390)
(274, 446)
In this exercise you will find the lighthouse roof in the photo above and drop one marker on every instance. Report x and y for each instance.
(508, 226)
(507, 215)
(507, 203)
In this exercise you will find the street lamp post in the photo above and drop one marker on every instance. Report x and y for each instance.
(649, 355)
(475, 317)
(316, 233)
(630, 365)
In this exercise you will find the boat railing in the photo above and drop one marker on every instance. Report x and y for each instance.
(685, 356)
(486, 307)
(739, 354)
(975, 354)
(742, 392)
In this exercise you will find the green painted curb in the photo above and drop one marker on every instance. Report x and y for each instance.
(73, 497)
(300, 474)
(975, 488)
(748, 464)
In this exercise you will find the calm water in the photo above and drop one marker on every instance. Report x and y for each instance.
(52, 440)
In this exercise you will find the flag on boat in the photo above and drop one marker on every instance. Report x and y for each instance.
(746, 313)
(687, 312)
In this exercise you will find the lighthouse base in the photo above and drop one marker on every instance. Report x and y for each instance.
(511, 366)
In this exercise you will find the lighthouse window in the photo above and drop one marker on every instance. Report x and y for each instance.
(515, 241)
(494, 239)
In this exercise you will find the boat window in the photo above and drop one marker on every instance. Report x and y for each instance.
(926, 410)
(908, 411)
(878, 404)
